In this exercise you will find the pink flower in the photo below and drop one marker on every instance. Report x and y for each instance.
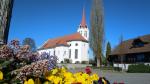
(88, 70)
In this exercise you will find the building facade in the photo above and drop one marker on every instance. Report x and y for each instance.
(5, 16)
(72, 47)
(132, 51)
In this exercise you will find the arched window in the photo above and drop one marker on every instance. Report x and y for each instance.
(69, 53)
(76, 53)
(85, 34)
(81, 32)
(54, 52)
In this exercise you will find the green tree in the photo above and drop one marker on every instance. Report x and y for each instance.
(108, 51)
(97, 30)
(30, 42)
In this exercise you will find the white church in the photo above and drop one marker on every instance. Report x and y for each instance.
(73, 47)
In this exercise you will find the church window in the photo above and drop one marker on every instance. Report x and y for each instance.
(54, 52)
(76, 44)
(69, 53)
(76, 53)
(49, 52)
(80, 26)
(85, 34)
(64, 52)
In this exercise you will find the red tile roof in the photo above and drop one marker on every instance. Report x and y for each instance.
(51, 43)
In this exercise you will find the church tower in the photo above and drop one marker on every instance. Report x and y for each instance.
(83, 29)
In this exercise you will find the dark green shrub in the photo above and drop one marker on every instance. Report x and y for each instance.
(117, 68)
(62, 62)
(84, 62)
(139, 68)
(67, 61)
(77, 62)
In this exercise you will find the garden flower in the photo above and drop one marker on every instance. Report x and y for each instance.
(50, 78)
(30, 81)
(25, 82)
(54, 71)
(1, 75)
(63, 70)
(46, 82)
(88, 70)
(57, 80)
(104, 81)
(94, 77)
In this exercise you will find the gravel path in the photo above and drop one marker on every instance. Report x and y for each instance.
(127, 78)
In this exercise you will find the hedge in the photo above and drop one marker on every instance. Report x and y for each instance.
(139, 68)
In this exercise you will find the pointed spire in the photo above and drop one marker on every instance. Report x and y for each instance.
(83, 21)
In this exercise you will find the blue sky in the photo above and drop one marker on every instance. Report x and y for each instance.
(44, 19)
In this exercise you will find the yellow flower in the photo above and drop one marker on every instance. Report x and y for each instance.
(69, 80)
(85, 75)
(94, 77)
(46, 82)
(63, 70)
(68, 75)
(30, 81)
(57, 80)
(54, 71)
(104, 81)
(1, 75)
(25, 82)
(50, 78)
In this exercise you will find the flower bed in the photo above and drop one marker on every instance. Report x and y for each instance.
(18, 65)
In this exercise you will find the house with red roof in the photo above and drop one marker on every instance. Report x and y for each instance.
(72, 47)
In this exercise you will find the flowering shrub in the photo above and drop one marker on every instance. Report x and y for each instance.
(18, 63)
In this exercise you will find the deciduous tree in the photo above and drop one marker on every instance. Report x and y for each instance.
(97, 30)
(30, 42)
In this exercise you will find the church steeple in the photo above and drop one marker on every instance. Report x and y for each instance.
(83, 29)
(83, 21)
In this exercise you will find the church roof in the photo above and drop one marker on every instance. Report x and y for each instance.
(83, 21)
(62, 41)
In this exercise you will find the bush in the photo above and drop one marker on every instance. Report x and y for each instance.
(117, 68)
(67, 61)
(84, 62)
(19, 63)
(77, 62)
(139, 68)
(62, 62)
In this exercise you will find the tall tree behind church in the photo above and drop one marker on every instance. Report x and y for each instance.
(30, 42)
(108, 51)
(97, 30)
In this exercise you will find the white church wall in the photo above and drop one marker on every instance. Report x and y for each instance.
(85, 49)
(61, 52)
(82, 51)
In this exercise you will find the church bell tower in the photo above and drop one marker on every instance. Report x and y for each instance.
(83, 29)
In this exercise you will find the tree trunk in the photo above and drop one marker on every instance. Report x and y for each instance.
(98, 62)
